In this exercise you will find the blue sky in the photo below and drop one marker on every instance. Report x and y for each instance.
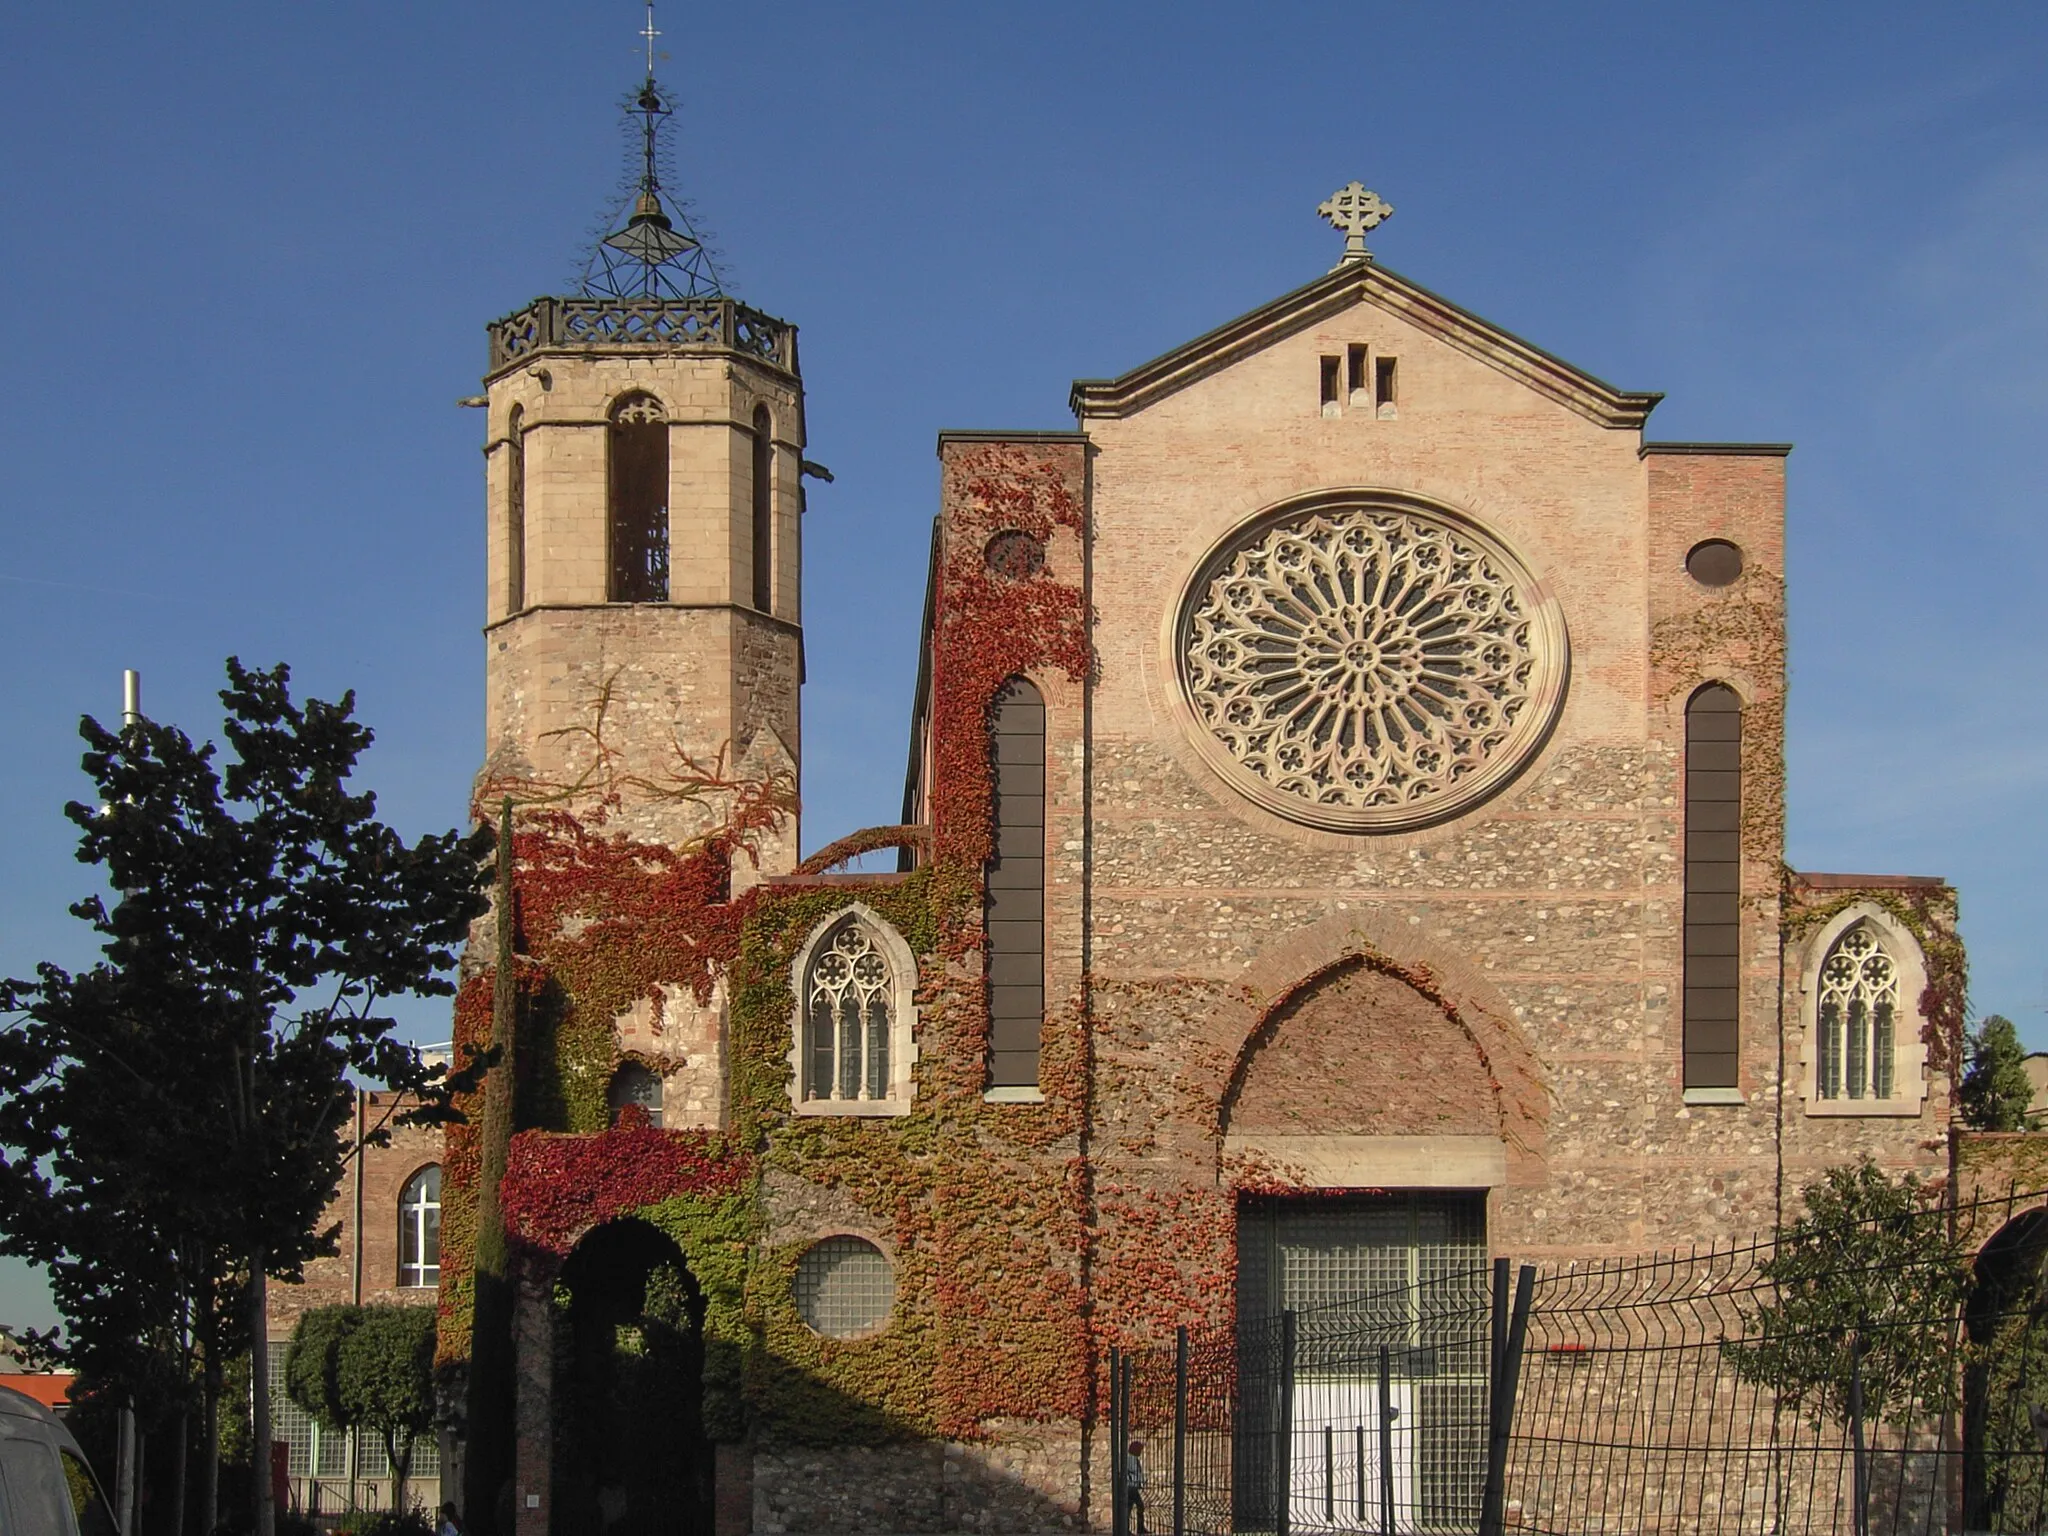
(249, 250)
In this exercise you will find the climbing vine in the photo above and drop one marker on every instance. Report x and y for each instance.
(1928, 912)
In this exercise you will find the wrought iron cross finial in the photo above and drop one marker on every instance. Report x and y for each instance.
(650, 34)
(1354, 210)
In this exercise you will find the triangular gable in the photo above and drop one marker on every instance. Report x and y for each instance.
(1365, 281)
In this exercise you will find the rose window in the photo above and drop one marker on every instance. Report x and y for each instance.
(1368, 664)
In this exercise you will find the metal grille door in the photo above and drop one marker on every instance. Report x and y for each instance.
(1404, 1271)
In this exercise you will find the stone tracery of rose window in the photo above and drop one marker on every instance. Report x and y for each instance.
(848, 991)
(1859, 1001)
(1369, 666)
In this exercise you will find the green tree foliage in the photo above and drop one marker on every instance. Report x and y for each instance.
(169, 1118)
(1868, 1284)
(368, 1369)
(1996, 1094)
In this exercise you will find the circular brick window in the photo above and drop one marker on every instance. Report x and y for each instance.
(1714, 563)
(1368, 663)
(1015, 554)
(845, 1287)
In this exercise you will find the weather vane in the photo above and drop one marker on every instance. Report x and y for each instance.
(650, 257)
(1354, 210)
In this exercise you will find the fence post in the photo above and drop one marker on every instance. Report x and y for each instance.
(1119, 1505)
(1860, 1468)
(1500, 1402)
(1499, 1326)
(1386, 1446)
(1283, 1463)
(1180, 1430)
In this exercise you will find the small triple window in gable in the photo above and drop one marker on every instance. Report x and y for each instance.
(1855, 1019)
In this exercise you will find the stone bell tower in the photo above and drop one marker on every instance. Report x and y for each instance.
(644, 449)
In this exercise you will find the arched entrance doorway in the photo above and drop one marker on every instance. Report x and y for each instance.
(2005, 1381)
(631, 1455)
(1376, 1101)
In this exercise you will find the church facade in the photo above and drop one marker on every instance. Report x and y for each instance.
(1343, 838)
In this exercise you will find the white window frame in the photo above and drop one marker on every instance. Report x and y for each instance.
(412, 1221)
(1909, 1050)
(902, 1017)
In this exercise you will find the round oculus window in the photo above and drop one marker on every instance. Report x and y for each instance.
(1714, 563)
(1368, 662)
(845, 1287)
(1015, 554)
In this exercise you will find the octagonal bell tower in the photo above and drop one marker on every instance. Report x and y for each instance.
(644, 448)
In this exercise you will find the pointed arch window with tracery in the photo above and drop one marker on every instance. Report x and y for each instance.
(1856, 1018)
(849, 997)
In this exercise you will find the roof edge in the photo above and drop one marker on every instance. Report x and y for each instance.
(1029, 435)
(1563, 382)
(1717, 450)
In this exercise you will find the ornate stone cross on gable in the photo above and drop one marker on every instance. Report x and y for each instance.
(1354, 210)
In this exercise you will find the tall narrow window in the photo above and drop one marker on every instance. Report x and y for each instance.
(1384, 374)
(634, 1087)
(764, 510)
(1713, 886)
(515, 513)
(1016, 886)
(419, 1229)
(639, 501)
(1859, 1003)
(1332, 374)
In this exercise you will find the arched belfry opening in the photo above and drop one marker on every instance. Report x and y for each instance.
(631, 1454)
(638, 474)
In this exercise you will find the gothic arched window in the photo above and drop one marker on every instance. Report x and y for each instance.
(1856, 1018)
(634, 1086)
(764, 510)
(853, 1050)
(638, 475)
(419, 1229)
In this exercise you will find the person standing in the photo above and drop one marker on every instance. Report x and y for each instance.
(1134, 1486)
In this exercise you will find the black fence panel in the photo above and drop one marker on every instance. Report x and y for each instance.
(1881, 1378)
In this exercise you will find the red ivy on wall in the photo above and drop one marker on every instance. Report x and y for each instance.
(558, 1187)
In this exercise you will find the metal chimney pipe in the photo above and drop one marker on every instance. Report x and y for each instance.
(131, 697)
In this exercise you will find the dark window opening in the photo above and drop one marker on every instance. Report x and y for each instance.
(1015, 903)
(1383, 382)
(1714, 563)
(1331, 375)
(634, 1087)
(639, 501)
(764, 511)
(1354, 373)
(515, 514)
(1713, 887)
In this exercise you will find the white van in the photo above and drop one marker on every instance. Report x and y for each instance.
(46, 1489)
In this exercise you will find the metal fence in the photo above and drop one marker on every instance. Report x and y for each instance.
(1883, 1378)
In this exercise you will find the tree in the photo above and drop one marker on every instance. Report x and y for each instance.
(368, 1368)
(1868, 1287)
(170, 1117)
(1996, 1094)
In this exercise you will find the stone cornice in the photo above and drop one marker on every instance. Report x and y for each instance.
(1371, 283)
